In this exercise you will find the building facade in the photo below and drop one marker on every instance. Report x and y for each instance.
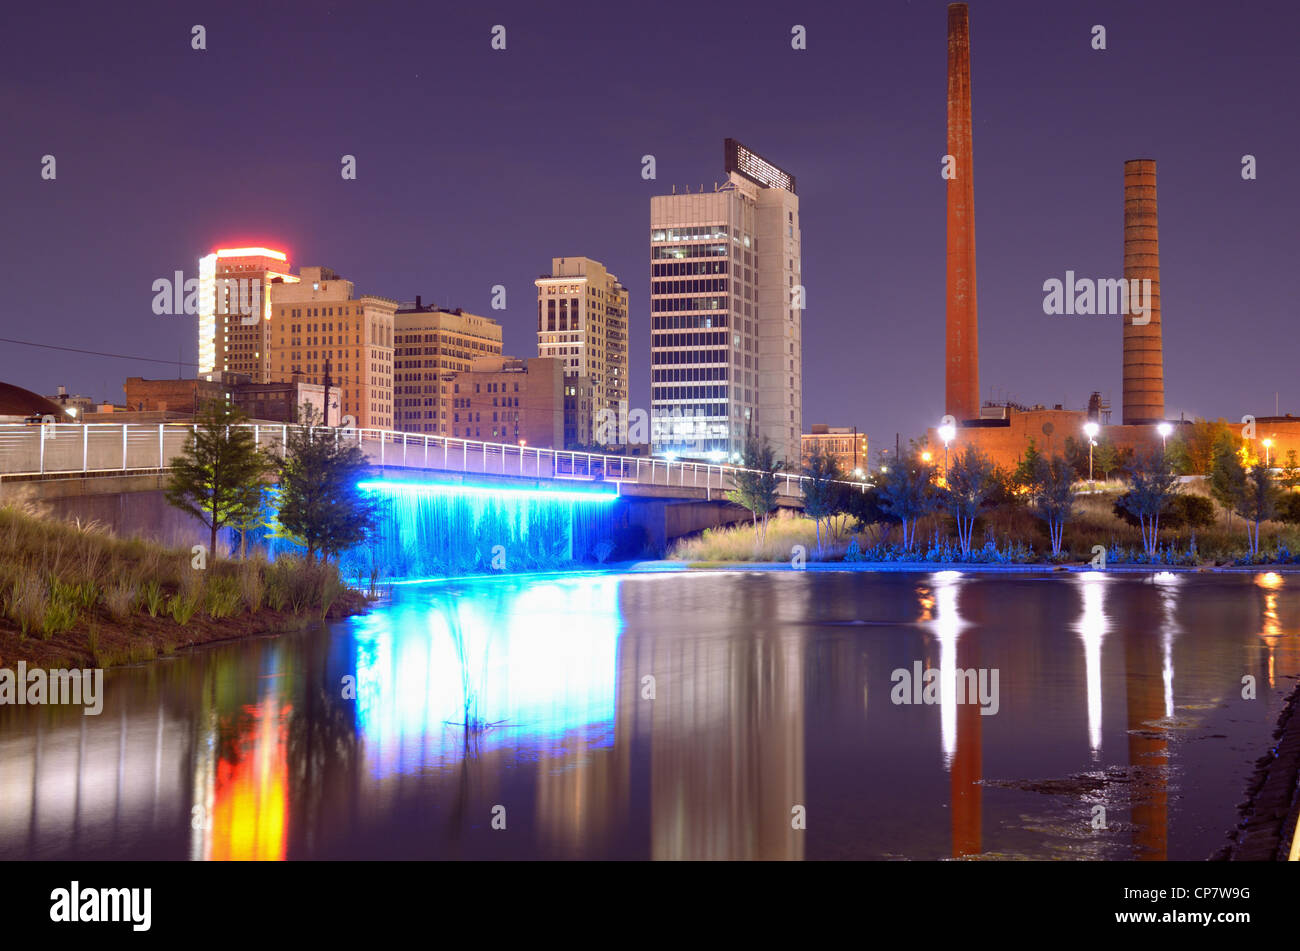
(579, 398)
(270, 402)
(848, 445)
(726, 308)
(234, 310)
(324, 333)
(510, 400)
(431, 345)
(582, 320)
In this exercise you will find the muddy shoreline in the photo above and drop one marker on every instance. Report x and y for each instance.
(1271, 810)
(142, 637)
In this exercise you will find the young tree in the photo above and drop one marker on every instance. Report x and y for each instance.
(821, 495)
(1105, 458)
(319, 498)
(1151, 487)
(1258, 503)
(1227, 480)
(755, 485)
(1201, 439)
(251, 518)
(1178, 456)
(971, 480)
(1289, 477)
(1076, 457)
(1027, 469)
(217, 478)
(1053, 497)
(907, 492)
(863, 506)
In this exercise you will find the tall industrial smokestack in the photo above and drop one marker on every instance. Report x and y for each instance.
(1144, 375)
(962, 380)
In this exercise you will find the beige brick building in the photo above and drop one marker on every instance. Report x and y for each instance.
(320, 325)
(431, 346)
(235, 310)
(510, 400)
(847, 444)
(582, 321)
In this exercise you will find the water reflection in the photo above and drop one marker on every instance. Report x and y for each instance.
(1092, 629)
(691, 716)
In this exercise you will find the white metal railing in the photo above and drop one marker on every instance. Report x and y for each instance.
(105, 448)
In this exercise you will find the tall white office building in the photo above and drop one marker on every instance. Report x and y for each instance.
(726, 308)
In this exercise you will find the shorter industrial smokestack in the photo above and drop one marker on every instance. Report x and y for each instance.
(1144, 375)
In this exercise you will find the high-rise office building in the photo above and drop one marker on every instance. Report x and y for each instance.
(431, 345)
(582, 316)
(726, 308)
(234, 310)
(321, 329)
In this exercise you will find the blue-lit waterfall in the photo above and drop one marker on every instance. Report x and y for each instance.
(429, 529)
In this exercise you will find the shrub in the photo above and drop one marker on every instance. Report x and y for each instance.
(224, 597)
(252, 586)
(62, 609)
(181, 606)
(27, 603)
(120, 599)
(153, 597)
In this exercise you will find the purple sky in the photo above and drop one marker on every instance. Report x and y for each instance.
(475, 167)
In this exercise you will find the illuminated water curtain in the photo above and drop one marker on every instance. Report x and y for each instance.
(431, 529)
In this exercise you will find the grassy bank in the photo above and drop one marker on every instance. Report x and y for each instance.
(1008, 535)
(72, 595)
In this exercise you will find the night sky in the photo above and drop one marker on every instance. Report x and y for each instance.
(476, 167)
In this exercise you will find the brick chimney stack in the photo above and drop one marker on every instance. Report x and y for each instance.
(962, 383)
(1144, 378)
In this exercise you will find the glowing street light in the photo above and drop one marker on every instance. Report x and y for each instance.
(947, 432)
(1164, 429)
(925, 456)
(1268, 443)
(1090, 429)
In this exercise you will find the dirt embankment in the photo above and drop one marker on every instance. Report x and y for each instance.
(106, 642)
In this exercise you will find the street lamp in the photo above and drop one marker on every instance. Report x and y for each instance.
(947, 432)
(1164, 429)
(1267, 445)
(1090, 430)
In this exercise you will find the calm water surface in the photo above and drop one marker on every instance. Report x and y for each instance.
(770, 699)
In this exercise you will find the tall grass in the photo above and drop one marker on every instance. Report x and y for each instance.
(58, 577)
(1008, 532)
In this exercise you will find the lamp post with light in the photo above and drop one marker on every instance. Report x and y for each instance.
(1268, 443)
(947, 432)
(1164, 429)
(1090, 429)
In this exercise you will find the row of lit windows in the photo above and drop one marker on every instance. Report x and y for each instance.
(695, 233)
(689, 374)
(661, 357)
(661, 305)
(687, 321)
(681, 268)
(689, 251)
(700, 286)
(717, 338)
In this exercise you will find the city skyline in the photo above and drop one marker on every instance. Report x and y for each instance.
(450, 206)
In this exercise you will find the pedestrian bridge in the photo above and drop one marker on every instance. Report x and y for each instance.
(115, 473)
(113, 449)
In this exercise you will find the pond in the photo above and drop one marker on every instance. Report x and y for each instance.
(685, 715)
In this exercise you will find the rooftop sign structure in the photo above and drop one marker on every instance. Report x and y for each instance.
(754, 167)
